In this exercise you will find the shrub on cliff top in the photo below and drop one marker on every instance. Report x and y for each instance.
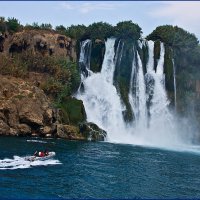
(13, 25)
(61, 29)
(103, 30)
(46, 26)
(175, 37)
(76, 31)
(127, 29)
(99, 30)
(2, 24)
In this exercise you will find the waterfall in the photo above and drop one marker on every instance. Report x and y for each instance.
(160, 102)
(100, 98)
(108, 66)
(161, 129)
(84, 59)
(174, 74)
(141, 94)
(119, 51)
(154, 123)
(137, 91)
(131, 95)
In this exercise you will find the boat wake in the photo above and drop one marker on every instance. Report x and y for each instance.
(22, 163)
(37, 141)
(40, 141)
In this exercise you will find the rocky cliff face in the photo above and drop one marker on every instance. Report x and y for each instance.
(47, 43)
(24, 109)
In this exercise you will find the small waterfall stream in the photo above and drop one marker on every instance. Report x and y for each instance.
(141, 94)
(132, 95)
(84, 60)
(174, 74)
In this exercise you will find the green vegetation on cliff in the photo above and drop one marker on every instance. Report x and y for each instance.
(11, 25)
(103, 30)
(175, 37)
(60, 77)
(127, 30)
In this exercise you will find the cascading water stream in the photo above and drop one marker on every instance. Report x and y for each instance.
(84, 60)
(137, 91)
(162, 129)
(100, 98)
(131, 95)
(141, 94)
(159, 108)
(174, 74)
(119, 51)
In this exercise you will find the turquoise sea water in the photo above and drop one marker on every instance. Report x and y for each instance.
(96, 170)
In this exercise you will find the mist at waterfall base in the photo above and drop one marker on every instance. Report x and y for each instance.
(104, 106)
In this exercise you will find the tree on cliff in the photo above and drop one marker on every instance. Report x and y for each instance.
(99, 30)
(61, 29)
(2, 24)
(76, 31)
(175, 37)
(13, 25)
(127, 29)
(46, 26)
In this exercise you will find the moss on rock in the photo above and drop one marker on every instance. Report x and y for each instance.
(72, 110)
(122, 76)
(168, 69)
(97, 55)
(157, 49)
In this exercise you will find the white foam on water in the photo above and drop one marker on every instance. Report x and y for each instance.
(37, 141)
(21, 163)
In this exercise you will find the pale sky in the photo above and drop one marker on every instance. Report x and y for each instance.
(147, 14)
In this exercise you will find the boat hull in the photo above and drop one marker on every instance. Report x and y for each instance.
(37, 158)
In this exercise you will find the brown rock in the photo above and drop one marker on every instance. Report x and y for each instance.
(13, 131)
(23, 129)
(48, 116)
(2, 117)
(22, 113)
(30, 112)
(47, 130)
(47, 43)
(69, 132)
(4, 128)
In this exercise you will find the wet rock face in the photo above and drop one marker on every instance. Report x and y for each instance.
(86, 131)
(24, 109)
(47, 43)
(68, 132)
(92, 132)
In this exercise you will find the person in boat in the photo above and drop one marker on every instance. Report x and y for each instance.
(41, 153)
